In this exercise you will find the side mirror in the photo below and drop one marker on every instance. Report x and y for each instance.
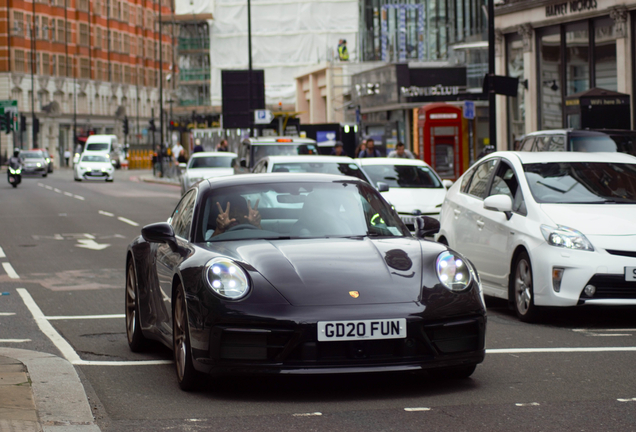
(183, 165)
(160, 232)
(426, 226)
(447, 183)
(383, 187)
(243, 163)
(499, 203)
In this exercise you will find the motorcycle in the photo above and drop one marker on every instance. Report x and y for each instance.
(15, 176)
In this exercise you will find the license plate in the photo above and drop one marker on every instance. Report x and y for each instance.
(362, 330)
(630, 273)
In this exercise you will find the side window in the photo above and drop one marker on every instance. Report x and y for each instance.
(540, 143)
(505, 182)
(181, 220)
(557, 143)
(466, 180)
(526, 145)
(477, 187)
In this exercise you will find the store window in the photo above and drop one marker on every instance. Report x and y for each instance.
(550, 90)
(516, 104)
(605, 70)
(577, 42)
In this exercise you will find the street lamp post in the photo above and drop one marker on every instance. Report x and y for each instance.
(492, 101)
(34, 127)
(249, 68)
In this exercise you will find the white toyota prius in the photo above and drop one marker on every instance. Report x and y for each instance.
(547, 229)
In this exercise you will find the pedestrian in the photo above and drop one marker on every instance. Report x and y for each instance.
(197, 146)
(176, 150)
(361, 146)
(343, 54)
(222, 146)
(370, 151)
(401, 152)
(67, 156)
(338, 149)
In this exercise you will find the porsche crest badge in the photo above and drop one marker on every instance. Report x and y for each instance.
(354, 294)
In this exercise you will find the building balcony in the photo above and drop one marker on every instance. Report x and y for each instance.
(191, 44)
(202, 74)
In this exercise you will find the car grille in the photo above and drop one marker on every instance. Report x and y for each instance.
(631, 254)
(611, 286)
(295, 347)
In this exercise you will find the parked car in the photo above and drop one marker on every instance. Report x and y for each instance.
(296, 274)
(94, 166)
(254, 149)
(204, 165)
(547, 229)
(34, 163)
(567, 140)
(341, 165)
(410, 185)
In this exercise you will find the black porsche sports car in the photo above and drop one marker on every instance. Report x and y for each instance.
(297, 274)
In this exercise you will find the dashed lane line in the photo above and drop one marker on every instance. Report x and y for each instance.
(105, 213)
(14, 340)
(7, 313)
(2, 255)
(559, 350)
(81, 198)
(68, 194)
(10, 271)
(128, 221)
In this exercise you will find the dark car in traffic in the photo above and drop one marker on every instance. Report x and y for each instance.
(300, 274)
(34, 163)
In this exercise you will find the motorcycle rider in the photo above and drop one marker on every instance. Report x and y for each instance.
(14, 161)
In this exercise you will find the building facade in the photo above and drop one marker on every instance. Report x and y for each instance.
(558, 49)
(81, 67)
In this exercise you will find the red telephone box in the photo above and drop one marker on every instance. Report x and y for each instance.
(440, 135)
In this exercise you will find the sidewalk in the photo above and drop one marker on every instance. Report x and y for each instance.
(41, 392)
(149, 178)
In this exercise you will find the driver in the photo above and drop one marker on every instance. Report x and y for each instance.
(237, 212)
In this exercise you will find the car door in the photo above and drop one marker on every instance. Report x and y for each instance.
(168, 260)
(466, 212)
(499, 233)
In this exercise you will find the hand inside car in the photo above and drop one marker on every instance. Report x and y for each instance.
(223, 221)
(253, 216)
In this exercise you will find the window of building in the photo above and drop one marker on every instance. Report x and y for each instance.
(126, 44)
(83, 34)
(69, 67)
(61, 65)
(125, 12)
(117, 69)
(46, 64)
(18, 23)
(116, 42)
(577, 42)
(127, 78)
(82, 5)
(18, 59)
(98, 37)
(69, 32)
(516, 104)
(60, 31)
(550, 61)
(53, 30)
(605, 70)
(85, 69)
(97, 9)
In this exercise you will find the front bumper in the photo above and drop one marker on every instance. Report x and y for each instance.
(34, 170)
(97, 175)
(604, 270)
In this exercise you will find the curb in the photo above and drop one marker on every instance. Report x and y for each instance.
(59, 396)
(160, 181)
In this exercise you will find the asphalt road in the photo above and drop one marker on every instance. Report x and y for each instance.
(63, 243)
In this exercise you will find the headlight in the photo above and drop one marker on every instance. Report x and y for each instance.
(566, 237)
(453, 271)
(226, 278)
(38, 164)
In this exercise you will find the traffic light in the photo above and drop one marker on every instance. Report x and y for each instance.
(23, 123)
(151, 124)
(125, 125)
(8, 118)
(36, 125)
(5, 121)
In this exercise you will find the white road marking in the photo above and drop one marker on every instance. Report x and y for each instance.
(48, 187)
(128, 221)
(80, 317)
(9, 269)
(57, 190)
(68, 194)
(527, 404)
(90, 236)
(417, 409)
(122, 363)
(605, 332)
(105, 213)
(7, 313)
(58, 237)
(81, 198)
(91, 244)
(627, 400)
(558, 350)
(65, 348)
(40, 184)
(2, 255)
(14, 340)
(307, 414)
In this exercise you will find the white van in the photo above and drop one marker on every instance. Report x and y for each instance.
(104, 144)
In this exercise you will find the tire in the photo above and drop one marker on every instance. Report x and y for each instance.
(521, 291)
(45, 174)
(136, 339)
(78, 179)
(456, 372)
(187, 377)
(110, 180)
(15, 185)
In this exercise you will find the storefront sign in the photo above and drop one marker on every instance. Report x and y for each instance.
(437, 90)
(367, 89)
(573, 6)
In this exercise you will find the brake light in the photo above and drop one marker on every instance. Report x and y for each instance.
(284, 140)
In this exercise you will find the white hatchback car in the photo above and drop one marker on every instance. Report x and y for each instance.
(415, 189)
(547, 229)
(340, 165)
(205, 165)
(94, 166)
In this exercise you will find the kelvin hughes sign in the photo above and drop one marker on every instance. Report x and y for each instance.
(573, 6)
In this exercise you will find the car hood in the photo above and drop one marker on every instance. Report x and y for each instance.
(594, 219)
(406, 200)
(95, 165)
(321, 272)
(204, 173)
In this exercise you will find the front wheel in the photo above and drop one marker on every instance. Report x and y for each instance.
(521, 289)
(45, 174)
(187, 376)
(14, 184)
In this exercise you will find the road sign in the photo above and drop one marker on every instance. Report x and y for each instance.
(263, 116)
(469, 110)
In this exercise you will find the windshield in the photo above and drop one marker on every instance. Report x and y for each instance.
(297, 210)
(212, 162)
(626, 142)
(348, 168)
(582, 182)
(97, 147)
(259, 151)
(32, 155)
(94, 158)
(592, 144)
(403, 176)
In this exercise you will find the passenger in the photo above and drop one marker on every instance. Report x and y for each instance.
(237, 212)
(401, 152)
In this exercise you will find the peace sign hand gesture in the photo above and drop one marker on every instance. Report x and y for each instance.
(253, 215)
(223, 221)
